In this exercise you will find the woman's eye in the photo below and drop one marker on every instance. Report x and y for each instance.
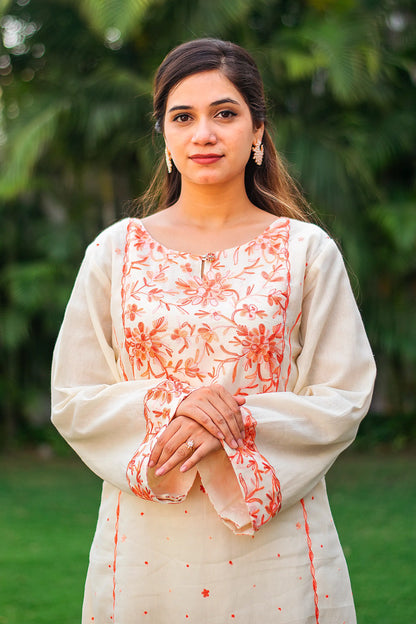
(226, 114)
(182, 117)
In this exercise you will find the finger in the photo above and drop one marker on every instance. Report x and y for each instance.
(218, 416)
(232, 414)
(221, 407)
(240, 399)
(207, 407)
(162, 440)
(202, 412)
(181, 454)
(202, 451)
(171, 447)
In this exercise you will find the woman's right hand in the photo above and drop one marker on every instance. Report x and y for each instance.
(172, 447)
(217, 411)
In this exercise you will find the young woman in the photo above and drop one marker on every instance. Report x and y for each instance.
(211, 366)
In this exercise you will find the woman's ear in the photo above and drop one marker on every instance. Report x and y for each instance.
(258, 132)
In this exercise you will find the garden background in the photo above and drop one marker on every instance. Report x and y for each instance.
(77, 143)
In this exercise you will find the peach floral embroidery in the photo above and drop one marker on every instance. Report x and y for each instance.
(144, 346)
(205, 291)
(252, 311)
(206, 333)
(167, 394)
(183, 331)
(132, 311)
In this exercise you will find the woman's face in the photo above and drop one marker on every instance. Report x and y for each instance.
(208, 129)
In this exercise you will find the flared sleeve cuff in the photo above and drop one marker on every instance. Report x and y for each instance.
(160, 405)
(243, 488)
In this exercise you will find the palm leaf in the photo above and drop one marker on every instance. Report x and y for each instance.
(123, 15)
(351, 51)
(27, 142)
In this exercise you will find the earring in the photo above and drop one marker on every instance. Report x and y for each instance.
(258, 152)
(168, 160)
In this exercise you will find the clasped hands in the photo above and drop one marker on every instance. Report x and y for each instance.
(206, 416)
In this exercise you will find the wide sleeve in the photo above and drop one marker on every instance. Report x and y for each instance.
(293, 437)
(112, 423)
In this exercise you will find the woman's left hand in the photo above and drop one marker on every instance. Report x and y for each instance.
(172, 447)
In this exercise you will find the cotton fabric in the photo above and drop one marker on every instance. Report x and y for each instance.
(247, 536)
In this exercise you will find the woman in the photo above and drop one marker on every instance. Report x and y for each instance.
(212, 358)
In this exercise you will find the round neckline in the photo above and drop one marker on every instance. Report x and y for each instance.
(215, 252)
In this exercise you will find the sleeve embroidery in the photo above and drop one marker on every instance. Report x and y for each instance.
(160, 404)
(257, 479)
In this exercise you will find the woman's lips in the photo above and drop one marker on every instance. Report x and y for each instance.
(205, 159)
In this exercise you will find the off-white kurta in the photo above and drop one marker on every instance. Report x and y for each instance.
(247, 536)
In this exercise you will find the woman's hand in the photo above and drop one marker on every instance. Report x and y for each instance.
(217, 411)
(171, 448)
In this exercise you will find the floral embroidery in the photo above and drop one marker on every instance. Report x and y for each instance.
(145, 347)
(205, 292)
(160, 405)
(256, 477)
(183, 331)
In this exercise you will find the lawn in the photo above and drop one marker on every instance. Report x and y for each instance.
(48, 511)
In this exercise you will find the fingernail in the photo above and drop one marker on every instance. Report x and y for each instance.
(220, 435)
(234, 444)
(183, 468)
(151, 463)
(240, 442)
(159, 472)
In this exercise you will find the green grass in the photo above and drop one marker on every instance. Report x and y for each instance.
(47, 517)
(48, 511)
(373, 499)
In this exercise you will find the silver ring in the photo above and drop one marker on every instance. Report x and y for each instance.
(190, 444)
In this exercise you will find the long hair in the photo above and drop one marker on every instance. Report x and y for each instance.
(269, 186)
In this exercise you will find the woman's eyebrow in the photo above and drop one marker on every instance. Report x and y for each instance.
(216, 103)
(225, 101)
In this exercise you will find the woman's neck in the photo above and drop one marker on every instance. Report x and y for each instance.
(212, 206)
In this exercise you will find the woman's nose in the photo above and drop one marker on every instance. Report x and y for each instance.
(204, 132)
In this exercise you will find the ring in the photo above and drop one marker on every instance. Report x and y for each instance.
(190, 444)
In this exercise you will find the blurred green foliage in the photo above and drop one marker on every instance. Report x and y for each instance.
(76, 143)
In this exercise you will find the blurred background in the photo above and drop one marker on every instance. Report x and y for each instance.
(77, 144)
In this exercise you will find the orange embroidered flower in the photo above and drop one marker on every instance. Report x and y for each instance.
(205, 593)
(206, 291)
(181, 333)
(140, 238)
(144, 345)
(166, 391)
(208, 335)
(252, 311)
(132, 310)
(259, 344)
(278, 298)
(192, 369)
(157, 276)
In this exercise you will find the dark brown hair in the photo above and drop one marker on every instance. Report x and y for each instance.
(269, 187)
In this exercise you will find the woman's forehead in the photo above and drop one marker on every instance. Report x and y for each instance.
(202, 89)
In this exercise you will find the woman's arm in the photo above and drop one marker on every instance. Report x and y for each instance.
(292, 438)
(111, 423)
